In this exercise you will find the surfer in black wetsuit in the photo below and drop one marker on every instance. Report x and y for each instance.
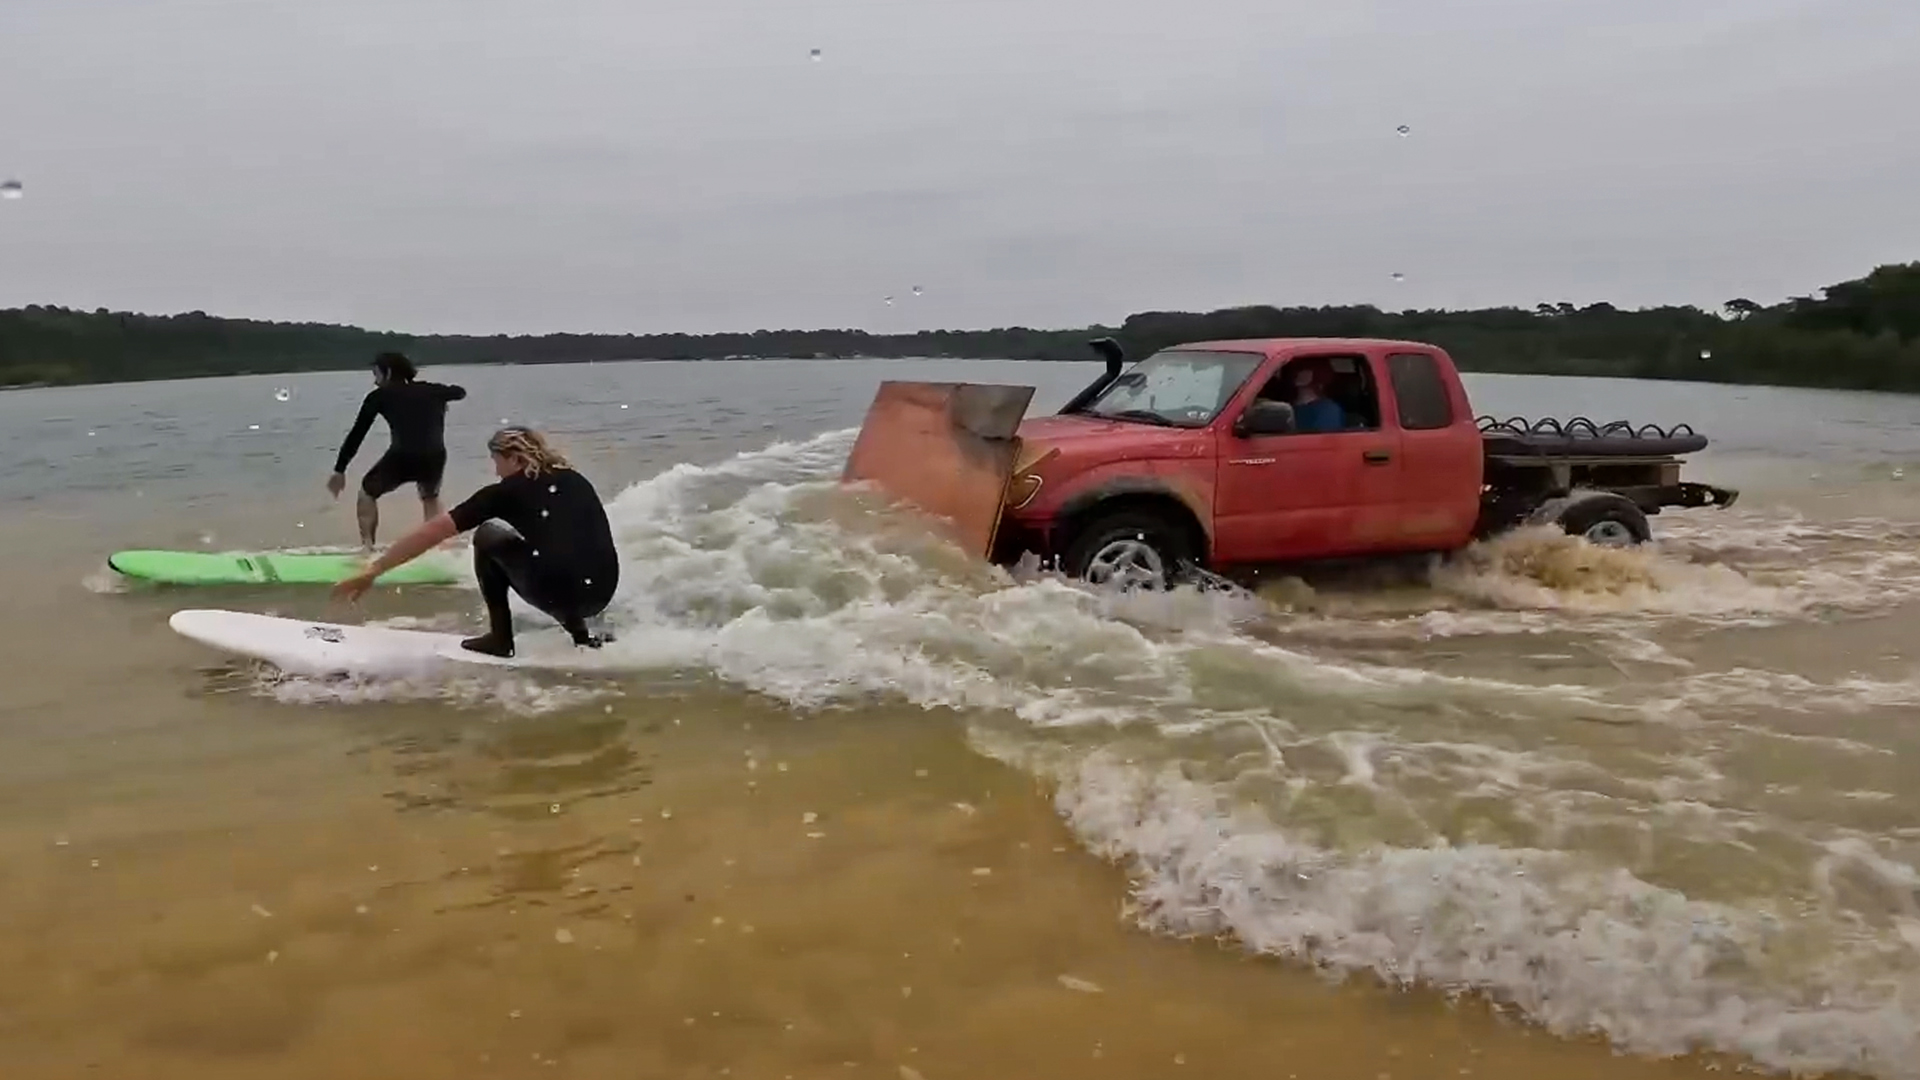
(539, 531)
(416, 414)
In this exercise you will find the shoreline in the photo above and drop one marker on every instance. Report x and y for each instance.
(1465, 369)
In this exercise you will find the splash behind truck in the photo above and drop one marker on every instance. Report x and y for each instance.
(1229, 456)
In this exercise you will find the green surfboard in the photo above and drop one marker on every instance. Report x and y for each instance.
(267, 568)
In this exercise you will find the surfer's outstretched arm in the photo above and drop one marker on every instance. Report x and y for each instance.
(433, 532)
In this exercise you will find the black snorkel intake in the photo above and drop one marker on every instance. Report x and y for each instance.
(1110, 350)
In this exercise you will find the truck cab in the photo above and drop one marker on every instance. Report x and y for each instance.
(1250, 452)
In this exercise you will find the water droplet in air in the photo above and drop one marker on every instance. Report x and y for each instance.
(623, 406)
(92, 434)
(889, 301)
(14, 189)
(917, 290)
(1403, 131)
(1706, 354)
(563, 936)
(553, 808)
(815, 55)
(553, 489)
(253, 427)
(1398, 276)
(283, 394)
(809, 818)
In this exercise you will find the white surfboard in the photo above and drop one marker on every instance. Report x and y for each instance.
(318, 648)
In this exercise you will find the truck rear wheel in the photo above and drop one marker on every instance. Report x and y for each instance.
(1604, 519)
(1131, 549)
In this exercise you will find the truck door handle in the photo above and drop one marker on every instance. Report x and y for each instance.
(1377, 457)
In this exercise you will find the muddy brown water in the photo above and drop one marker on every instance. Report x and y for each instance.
(846, 804)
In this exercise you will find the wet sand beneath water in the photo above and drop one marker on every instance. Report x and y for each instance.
(677, 885)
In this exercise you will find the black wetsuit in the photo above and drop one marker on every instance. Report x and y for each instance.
(558, 555)
(416, 415)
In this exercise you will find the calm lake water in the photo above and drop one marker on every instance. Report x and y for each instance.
(840, 802)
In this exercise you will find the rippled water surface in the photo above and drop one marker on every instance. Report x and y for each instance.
(839, 798)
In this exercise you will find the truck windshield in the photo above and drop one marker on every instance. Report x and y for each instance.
(1175, 388)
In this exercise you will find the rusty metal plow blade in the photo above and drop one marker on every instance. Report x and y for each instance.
(947, 449)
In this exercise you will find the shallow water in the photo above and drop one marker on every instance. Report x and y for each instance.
(840, 802)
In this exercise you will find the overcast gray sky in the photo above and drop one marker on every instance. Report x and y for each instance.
(632, 165)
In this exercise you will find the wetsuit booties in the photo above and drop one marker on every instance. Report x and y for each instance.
(498, 640)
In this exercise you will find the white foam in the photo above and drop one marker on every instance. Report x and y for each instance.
(1750, 688)
(517, 695)
(1544, 569)
(1578, 948)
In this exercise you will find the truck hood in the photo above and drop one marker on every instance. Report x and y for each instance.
(1071, 437)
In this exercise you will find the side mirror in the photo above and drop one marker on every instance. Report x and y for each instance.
(1265, 418)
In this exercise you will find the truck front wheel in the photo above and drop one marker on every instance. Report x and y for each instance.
(1605, 519)
(1130, 549)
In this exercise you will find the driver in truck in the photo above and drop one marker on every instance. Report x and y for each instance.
(1313, 411)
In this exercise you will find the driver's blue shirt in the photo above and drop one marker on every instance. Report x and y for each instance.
(1319, 415)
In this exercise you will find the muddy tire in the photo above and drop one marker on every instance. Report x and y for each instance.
(1131, 548)
(1604, 519)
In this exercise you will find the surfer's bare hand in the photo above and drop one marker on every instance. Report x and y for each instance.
(353, 588)
(336, 484)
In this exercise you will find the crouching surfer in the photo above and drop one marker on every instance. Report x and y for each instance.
(555, 547)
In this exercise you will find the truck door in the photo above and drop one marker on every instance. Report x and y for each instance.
(1442, 457)
(1312, 493)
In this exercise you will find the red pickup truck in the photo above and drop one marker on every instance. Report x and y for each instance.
(1238, 454)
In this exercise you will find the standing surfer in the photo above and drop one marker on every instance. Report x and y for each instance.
(555, 547)
(416, 414)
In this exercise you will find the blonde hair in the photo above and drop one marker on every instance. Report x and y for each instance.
(529, 449)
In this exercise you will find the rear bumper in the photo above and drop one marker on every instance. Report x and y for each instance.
(1684, 495)
(1692, 495)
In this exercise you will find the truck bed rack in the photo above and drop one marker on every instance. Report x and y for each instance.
(1581, 437)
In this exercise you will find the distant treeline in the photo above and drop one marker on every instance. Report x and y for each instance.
(1861, 334)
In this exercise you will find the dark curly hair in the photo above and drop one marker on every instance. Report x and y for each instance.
(394, 367)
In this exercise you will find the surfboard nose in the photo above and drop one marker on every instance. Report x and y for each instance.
(186, 617)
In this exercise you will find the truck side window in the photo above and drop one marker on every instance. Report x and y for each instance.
(1421, 392)
(1345, 382)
